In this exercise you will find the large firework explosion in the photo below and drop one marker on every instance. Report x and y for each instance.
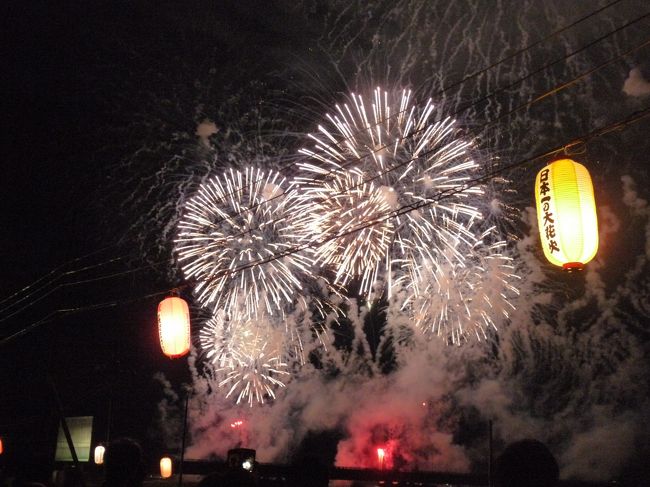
(454, 299)
(384, 158)
(388, 189)
(234, 223)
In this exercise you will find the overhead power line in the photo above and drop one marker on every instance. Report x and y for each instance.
(354, 160)
(471, 76)
(617, 126)
(423, 154)
(51, 277)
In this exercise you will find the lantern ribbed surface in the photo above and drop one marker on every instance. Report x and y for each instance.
(566, 214)
(174, 326)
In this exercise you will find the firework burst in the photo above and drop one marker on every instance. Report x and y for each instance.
(367, 164)
(247, 358)
(458, 298)
(229, 235)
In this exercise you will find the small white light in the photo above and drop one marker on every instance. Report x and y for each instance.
(99, 454)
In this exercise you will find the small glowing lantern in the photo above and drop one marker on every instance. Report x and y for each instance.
(174, 326)
(566, 214)
(165, 467)
(1, 447)
(99, 454)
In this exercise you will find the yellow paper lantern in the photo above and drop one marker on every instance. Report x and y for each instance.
(566, 214)
(165, 467)
(174, 326)
(99, 454)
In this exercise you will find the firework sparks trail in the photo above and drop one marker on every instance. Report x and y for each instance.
(248, 358)
(235, 220)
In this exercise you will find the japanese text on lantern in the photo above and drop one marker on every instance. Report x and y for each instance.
(548, 219)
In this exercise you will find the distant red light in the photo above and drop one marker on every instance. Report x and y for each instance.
(236, 424)
(381, 453)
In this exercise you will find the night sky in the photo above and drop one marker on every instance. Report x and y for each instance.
(101, 103)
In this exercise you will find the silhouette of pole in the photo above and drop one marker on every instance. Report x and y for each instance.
(180, 467)
(490, 453)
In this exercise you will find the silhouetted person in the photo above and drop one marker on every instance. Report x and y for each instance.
(123, 464)
(526, 463)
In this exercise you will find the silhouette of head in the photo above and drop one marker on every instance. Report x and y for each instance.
(123, 463)
(526, 463)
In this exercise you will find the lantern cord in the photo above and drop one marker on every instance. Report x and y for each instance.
(617, 126)
(329, 174)
(553, 91)
(569, 150)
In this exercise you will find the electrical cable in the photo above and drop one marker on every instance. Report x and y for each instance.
(617, 126)
(636, 116)
(324, 176)
(553, 91)
(538, 98)
(490, 95)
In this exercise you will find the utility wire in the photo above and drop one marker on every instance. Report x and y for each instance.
(425, 153)
(635, 117)
(383, 173)
(53, 289)
(528, 47)
(353, 160)
(457, 83)
(71, 311)
(52, 272)
(617, 126)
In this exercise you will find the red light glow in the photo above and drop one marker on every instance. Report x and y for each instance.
(236, 424)
(381, 453)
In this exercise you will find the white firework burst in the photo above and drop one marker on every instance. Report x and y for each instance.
(249, 359)
(369, 163)
(229, 238)
(458, 298)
